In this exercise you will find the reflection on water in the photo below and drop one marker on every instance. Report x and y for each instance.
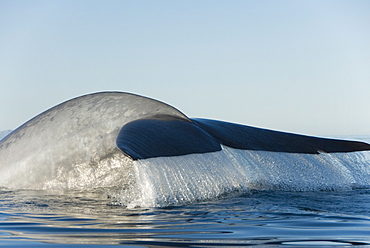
(266, 218)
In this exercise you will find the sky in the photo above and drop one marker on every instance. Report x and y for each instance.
(295, 66)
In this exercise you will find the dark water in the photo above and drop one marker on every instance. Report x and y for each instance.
(80, 219)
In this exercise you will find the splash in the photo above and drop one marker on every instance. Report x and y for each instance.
(167, 181)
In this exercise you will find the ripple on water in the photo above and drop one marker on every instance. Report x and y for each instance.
(33, 218)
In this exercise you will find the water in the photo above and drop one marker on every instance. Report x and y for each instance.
(35, 218)
(261, 216)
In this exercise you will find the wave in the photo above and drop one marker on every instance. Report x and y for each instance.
(147, 153)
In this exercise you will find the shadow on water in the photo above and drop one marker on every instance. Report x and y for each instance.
(40, 218)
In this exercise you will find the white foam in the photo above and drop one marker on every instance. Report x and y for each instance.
(197, 177)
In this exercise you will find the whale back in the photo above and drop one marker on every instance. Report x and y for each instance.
(147, 153)
(77, 135)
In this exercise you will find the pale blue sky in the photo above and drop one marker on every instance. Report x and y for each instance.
(298, 66)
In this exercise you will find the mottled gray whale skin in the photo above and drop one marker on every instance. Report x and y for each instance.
(73, 138)
(92, 140)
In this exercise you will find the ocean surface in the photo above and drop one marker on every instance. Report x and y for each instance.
(266, 218)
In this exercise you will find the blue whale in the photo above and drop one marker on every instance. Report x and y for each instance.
(94, 141)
